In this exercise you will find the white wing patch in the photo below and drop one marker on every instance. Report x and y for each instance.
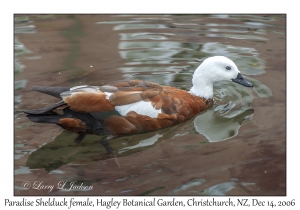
(78, 87)
(107, 95)
(140, 107)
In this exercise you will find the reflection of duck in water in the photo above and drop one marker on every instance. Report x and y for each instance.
(131, 107)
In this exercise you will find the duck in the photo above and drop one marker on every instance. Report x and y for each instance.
(131, 107)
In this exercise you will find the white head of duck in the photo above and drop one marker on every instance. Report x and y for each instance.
(215, 69)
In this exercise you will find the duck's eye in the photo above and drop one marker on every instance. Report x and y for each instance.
(228, 67)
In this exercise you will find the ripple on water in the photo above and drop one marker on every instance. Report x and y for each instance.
(223, 188)
(188, 185)
(22, 170)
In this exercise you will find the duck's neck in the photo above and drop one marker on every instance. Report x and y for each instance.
(201, 86)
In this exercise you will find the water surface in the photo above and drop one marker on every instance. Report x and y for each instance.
(236, 147)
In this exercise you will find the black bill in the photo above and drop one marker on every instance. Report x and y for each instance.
(242, 81)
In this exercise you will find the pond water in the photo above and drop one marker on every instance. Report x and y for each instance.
(236, 147)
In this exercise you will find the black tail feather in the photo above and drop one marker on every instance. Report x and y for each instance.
(53, 91)
(44, 110)
(52, 119)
